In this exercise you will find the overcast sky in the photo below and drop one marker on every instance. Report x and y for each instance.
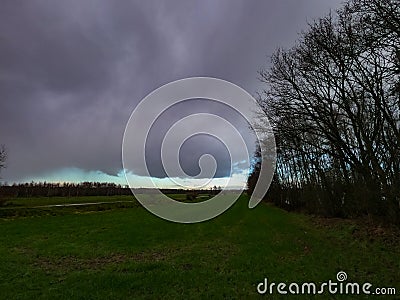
(71, 73)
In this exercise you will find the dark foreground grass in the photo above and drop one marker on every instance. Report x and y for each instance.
(129, 253)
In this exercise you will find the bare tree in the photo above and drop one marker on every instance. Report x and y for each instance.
(334, 103)
(3, 157)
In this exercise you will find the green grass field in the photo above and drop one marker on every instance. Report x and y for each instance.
(124, 252)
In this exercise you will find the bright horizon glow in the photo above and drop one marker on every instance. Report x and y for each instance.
(77, 175)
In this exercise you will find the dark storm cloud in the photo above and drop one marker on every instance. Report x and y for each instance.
(197, 145)
(72, 71)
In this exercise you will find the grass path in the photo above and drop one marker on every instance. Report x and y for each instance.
(129, 253)
(52, 201)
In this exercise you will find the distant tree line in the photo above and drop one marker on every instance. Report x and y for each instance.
(47, 189)
(333, 100)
